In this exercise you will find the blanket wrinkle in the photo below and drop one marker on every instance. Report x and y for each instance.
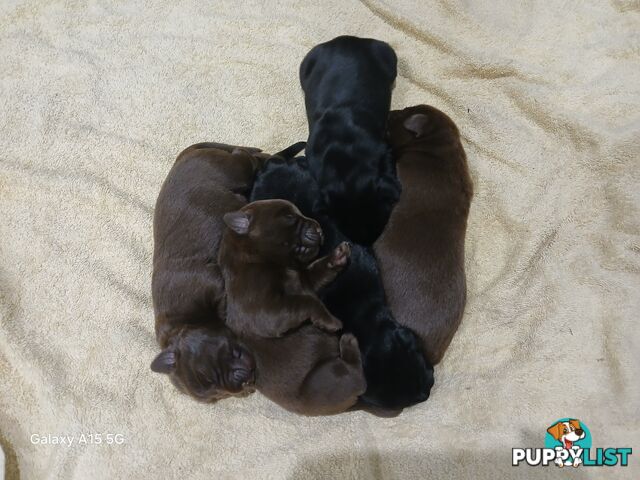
(82, 177)
(405, 73)
(426, 37)
(489, 153)
(98, 98)
(580, 136)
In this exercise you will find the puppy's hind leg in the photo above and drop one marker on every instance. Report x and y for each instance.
(335, 385)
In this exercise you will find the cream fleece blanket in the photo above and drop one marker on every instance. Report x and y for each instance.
(97, 98)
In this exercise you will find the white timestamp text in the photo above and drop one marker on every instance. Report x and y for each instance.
(78, 439)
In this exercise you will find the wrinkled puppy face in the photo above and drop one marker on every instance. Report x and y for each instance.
(275, 229)
(208, 366)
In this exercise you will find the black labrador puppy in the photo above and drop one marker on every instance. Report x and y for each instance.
(395, 368)
(347, 85)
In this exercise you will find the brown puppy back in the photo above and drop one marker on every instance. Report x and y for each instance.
(421, 251)
(202, 357)
(203, 185)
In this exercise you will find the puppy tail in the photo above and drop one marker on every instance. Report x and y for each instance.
(291, 151)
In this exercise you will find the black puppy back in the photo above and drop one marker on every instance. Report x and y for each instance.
(347, 84)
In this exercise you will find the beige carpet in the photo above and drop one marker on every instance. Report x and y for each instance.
(97, 98)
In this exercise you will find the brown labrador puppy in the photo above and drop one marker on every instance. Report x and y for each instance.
(271, 289)
(202, 357)
(264, 256)
(421, 252)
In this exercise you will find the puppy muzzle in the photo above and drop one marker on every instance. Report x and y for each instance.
(311, 235)
(244, 376)
(310, 238)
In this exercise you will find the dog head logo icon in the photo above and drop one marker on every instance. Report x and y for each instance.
(565, 434)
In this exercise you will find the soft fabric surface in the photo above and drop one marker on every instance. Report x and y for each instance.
(97, 98)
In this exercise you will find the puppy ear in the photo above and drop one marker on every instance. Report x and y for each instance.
(256, 159)
(554, 430)
(575, 423)
(238, 221)
(417, 124)
(165, 362)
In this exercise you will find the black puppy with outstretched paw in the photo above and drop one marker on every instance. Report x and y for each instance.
(395, 368)
(347, 85)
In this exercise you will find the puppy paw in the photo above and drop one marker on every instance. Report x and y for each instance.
(349, 349)
(348, 341)
(325, 321)
(340, 256)
(329, 324)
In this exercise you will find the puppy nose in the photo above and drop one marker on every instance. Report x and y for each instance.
(312, 235)
(240, 375)
(579, 432)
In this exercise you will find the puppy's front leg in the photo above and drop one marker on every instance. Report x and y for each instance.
(308, 307)
(291, 312)
(324, 270)
(321, 317)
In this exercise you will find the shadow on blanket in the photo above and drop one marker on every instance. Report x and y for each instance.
(460, 463)
(10, 464)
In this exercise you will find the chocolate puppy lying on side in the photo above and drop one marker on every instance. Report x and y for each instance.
(347, 85)
(265, 258)
(394, 367)
(202, 357)
(421, 252)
